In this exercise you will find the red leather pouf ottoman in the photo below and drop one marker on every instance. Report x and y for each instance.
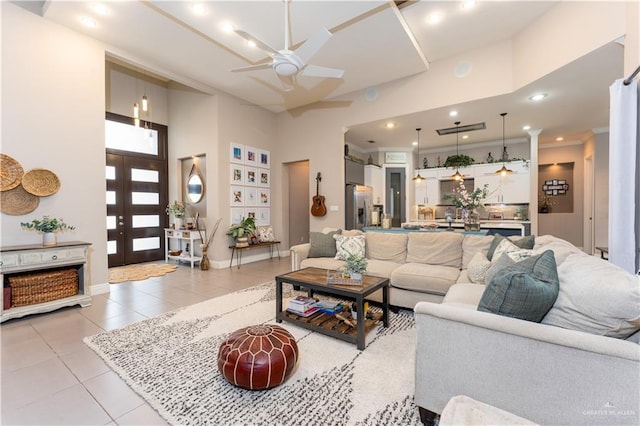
(258, 357)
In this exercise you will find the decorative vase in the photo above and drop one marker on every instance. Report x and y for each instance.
(178, 222)
(204, 262)
(471, 220)
(48, 239)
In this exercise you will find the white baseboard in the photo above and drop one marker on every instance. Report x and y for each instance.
(100, 289)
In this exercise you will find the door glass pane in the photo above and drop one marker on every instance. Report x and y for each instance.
(146, 198)
(111, 173)
(149, 243)
(140, 175)
(111, 222)
(146, 220)
(111, 198)
(126, 137)
(112, 247)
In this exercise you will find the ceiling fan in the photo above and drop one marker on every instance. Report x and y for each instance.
(287, 63)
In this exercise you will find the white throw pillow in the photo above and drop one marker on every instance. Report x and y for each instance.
(477, 268)
(347, 246)
(265, 234)
(513, 251)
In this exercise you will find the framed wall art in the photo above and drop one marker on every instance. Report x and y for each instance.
(236, 153)
(263, 217)
(251, 212)
(264, 159)
(251, 176)
(251, 155)
(264, 197)
(264, 177)
(236, 215)
(250, 197)
(236, 174)
(237, 196)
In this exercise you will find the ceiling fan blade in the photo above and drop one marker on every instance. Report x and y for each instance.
(262, 45)
(312, 45)
(325, 72)
(252, 67)
(288, 83)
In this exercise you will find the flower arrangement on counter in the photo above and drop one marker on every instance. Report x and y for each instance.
(176, 209)
(466, 200)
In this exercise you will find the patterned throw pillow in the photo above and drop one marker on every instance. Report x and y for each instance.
(347, 246)
(265, 234)
(477, 268)
(510, 249)
(523, 243)
(526, 290)
(322, 245)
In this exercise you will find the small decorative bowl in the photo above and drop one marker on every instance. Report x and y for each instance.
(175, 252)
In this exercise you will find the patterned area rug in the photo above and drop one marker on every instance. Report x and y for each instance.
(121, 274)
(171, 361)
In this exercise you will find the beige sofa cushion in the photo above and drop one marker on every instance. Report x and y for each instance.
(424, 278)
(435, 248)
(561, 248)
(381, 268)
(384, 246)
(322, 262)
(473, 244)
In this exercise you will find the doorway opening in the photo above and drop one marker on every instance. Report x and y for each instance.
(395, 200)
(136, 191)
(299, 201)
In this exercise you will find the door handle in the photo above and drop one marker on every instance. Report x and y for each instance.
(120, 223)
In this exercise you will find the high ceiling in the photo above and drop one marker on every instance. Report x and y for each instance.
(373, 42)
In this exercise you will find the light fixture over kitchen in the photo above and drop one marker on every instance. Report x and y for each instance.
(457, 175)
(503, 171)
(417, 177)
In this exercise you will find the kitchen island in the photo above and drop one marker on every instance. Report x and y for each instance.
(487, 227)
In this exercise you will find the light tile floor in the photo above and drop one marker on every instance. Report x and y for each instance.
(50, 377)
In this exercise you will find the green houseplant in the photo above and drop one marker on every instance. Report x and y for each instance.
(355, 266)
(242, 231)
(48, 226)
(458, 160)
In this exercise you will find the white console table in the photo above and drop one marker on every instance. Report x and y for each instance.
(36, 257)
(183, 237)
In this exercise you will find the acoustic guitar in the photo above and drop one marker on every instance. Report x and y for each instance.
(318, 208)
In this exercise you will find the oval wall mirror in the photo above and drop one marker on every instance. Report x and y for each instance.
(195, 185)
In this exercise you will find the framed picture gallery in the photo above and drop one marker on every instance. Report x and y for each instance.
(249, 183)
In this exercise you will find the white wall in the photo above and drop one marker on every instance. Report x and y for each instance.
(601, 190)
(53, 99)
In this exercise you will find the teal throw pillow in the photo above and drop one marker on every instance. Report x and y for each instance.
(524, 243)
(323, 245)
(526, 290)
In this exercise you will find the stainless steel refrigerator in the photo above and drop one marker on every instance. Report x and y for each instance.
(358, 206)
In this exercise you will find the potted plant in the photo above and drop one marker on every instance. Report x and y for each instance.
(177, 210)
(242, 231)
(48, 226)
(458, 160)
(544, 204)
(355, 266)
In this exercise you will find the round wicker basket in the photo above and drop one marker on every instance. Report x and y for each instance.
(41, 182)
(17, 201)
(10, 172)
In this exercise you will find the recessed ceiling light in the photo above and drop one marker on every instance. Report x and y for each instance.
(198, 9)
(465, 136)
(251, 44)
(453, 113)
(390, 125)
(537, 97)
(227, 27)
(435, 18)
(527, 127)
(468, 4)
(100, 9)
(559, 138)
(414, 143)
(88, 21)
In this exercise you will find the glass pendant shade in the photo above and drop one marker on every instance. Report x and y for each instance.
(145, 103)
(504, 170)
(418, 178)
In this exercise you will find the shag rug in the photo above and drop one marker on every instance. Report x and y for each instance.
(139, 272)
(171, 362)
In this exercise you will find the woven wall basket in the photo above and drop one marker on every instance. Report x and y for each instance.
(41, 182)
(17, 201)
(10, 172)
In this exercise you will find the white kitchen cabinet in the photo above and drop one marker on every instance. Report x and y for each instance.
(427, 192)
(509, 189)
(374, 177)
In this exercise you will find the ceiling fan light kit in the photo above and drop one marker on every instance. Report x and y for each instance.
(287, 63)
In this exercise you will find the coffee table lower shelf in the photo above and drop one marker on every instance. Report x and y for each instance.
(330, 324)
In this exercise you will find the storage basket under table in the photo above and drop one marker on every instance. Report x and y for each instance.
(41, 287)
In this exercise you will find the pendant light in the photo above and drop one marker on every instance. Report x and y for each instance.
(418, 178)
(503, 171)
(457, 175)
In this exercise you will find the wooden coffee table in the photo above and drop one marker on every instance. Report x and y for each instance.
(315, 279)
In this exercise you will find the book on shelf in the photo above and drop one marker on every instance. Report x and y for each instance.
(302, 300)
(312, 310)
(329, 307)
(300, 304)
